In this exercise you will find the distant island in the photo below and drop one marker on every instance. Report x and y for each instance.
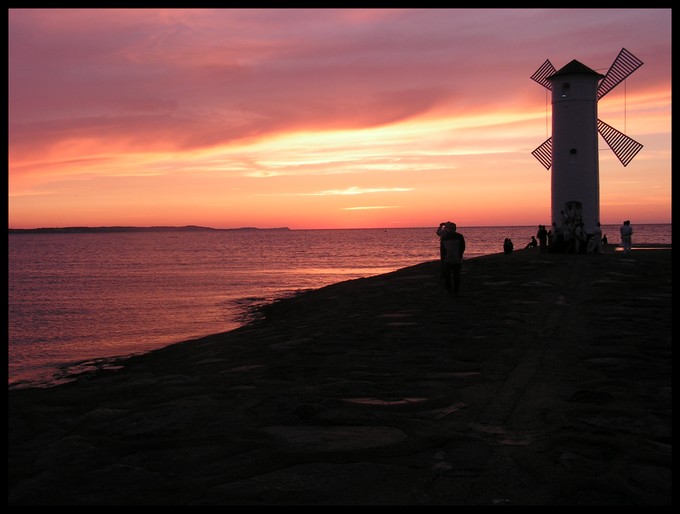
(81, 230)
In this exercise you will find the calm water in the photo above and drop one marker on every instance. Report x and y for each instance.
(82, 297)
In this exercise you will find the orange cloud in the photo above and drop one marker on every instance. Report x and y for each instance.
(241, 116)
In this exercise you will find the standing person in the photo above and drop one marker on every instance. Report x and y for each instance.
(626, 236)
(452, 248)
(557, 244)
(595, 242)
(542, 236)
(441, 232)
(579, 235)
(567, 230)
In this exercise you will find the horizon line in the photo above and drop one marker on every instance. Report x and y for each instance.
(283, 228)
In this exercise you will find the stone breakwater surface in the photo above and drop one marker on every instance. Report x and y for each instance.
(546, 382)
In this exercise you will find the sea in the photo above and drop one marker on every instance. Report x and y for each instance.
(77, 300)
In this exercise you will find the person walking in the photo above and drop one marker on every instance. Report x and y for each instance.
(452, 250)
(626, 231)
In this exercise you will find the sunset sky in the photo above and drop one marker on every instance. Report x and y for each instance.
(319, 118)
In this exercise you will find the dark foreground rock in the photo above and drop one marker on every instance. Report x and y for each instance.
(546, 382)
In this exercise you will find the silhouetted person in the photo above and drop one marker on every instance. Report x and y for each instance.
(579, 235)
(567, 229)
(604, 240)
(452, 247)
(507, 245)
(626, 231)
(441, 232)
(595, 242)
(532, 244)
(542, 236)
(557, 244)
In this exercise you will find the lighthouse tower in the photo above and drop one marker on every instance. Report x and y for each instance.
(575, 182)
(572, 150)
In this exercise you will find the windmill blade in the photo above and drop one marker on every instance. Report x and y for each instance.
(623, 146)
(624, 64)
(544, 153)
(544, 71)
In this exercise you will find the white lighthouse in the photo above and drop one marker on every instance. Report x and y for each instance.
(575, 182)
(572, 151)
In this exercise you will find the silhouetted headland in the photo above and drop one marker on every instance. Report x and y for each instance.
(546, 382)
(77, 230)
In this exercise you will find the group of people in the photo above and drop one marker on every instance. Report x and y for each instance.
(569, 237)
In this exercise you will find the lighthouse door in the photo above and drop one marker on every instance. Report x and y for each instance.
(573, 210)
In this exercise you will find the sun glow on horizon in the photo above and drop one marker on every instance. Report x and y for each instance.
(339, 127)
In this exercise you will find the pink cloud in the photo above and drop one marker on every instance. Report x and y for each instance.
(244, 72)
(87, 83)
